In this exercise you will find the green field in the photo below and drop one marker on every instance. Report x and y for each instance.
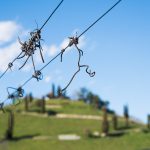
(28, 127)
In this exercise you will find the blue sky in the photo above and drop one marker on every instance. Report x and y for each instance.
(117, 48)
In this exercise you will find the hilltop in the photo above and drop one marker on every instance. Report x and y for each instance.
(35, 130)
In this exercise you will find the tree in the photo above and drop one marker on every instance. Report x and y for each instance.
(148, 121)
(30, 97)
(126, 115)
(59, 94)
(64, 95)
(93, 100)
(53, 91)
(82, 94)
(89, 97)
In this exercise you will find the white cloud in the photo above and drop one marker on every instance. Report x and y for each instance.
(82, 42)
(7, 54)
(47, 79)
(64, 43)
(52, 50)
(8, 30)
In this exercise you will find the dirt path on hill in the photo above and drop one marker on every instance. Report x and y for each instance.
(76, 116)
(66, 116)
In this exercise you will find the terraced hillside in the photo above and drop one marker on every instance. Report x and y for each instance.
(71, 125)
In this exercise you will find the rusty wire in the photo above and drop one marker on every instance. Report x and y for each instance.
(73, 41)
(38, 74)
(10, 65)
(29, 47)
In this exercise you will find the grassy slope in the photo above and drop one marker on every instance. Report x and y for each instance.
(27, 126)
(74, 107)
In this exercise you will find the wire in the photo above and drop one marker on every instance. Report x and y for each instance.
(50, 61)
(72, 42)
(69, 45)
(10, 65)
(99, 18)
(34, 41)
(26, 82)
(37, 74)
(4, 72)
(18, 57)
(51, 14)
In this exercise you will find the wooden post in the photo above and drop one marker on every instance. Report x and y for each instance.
(9, 132)
(105, 123)
(115, 121)
(43, 105)
(148, 121)
(126, 116)
(26, 103)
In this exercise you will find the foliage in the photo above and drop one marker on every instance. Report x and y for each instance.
(126, 115)
(93, 99)
(126, 111)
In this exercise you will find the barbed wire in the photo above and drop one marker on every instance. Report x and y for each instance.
(29, 47)
(19, 92)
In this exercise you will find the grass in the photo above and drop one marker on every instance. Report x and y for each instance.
(128, 142)
(30, 125)
(27, 126)
(74, 107)
(66, 106)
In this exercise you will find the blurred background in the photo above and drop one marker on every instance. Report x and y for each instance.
(114, 103)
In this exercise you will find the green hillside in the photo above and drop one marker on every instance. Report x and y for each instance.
(35, 130)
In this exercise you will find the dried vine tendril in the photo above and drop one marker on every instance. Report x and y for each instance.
(75, 41)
